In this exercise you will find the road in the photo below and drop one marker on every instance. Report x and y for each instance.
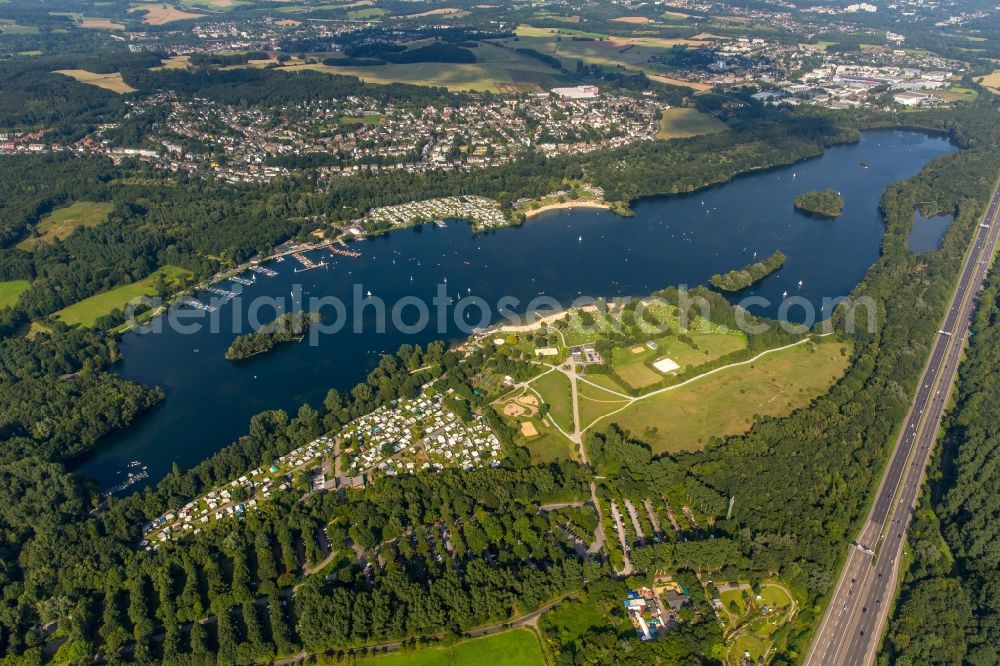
(853, 624)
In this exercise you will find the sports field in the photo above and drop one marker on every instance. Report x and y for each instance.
(11, 290)
(630, 363)
(112, 82)
(88, 310)
(725, 402)
(682, 123)
(517, 647)
(61, 222)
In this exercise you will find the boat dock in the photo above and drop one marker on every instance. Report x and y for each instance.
(344, 252)
(261, 270)
(132, 478)
(225, 293)
(198, 305)
(241, 280)
(306, 262)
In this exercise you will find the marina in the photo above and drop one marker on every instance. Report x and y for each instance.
(241, 280)
(343, 251)
(263, 270)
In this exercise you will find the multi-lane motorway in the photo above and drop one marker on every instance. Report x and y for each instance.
(851, 629)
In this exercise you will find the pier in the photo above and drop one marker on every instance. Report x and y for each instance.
(343, 251)
(261, 270)
(306, 262)
(241, 280)
(198, 305)
(225, 293)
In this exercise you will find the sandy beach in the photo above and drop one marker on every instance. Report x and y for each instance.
(568, 204)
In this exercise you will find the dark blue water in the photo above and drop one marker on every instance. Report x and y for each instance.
(561, 254)
(928, 232)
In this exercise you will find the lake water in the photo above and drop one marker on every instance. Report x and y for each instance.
(928, 232)
(680, 240)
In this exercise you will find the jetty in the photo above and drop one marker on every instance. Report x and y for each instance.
(241, 280)
(261, 270)
(344, 252)
(306, 262)
(225, 293)
(198, 305)
(132, 479)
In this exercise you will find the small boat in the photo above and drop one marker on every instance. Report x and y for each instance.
(580, 239)
(784, 294)
(369, 294)
(800, 283)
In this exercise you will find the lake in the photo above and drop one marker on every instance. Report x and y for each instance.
(678, 240)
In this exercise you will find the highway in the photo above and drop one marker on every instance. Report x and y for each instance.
(855, 618)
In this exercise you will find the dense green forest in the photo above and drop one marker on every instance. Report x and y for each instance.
(820, 203)
(741, 278)
(949, 611)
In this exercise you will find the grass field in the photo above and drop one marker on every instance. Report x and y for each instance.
(112, 82)
(724, 403)
(549, 446)
(61, 222)
(88, 310)
(632, 368)
(595, 403)
(11, 290)
(11, 28)
(517, 647)
(555, 391)
(605, 381)
(682, 123)
(496, 69)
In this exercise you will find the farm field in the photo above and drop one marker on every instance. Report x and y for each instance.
(11, 290)
(163, 14)
(87, 311)
(100, 24)
(992, 81)
(497, 70)
(112, 82)
(61, 222)
(517, 647)
(682, 123)
(724, 403)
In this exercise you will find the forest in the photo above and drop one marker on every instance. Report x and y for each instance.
(949, 610)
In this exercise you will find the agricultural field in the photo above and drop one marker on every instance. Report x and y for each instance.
(496, 69)
(688, 416)
(571, 46)
(61, 222)
(517, 647)
(87, 311)
(991, 81)
(99, 24)
(163, 14)
(682, 123)
(8, 27)
(112, 82)
(11, 290)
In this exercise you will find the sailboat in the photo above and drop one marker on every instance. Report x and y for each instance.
(800, 283)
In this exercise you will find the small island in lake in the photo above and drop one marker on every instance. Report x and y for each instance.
(826, 203)
(748, 275)
(289, 327)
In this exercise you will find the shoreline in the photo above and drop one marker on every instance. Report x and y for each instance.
(566, 205)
